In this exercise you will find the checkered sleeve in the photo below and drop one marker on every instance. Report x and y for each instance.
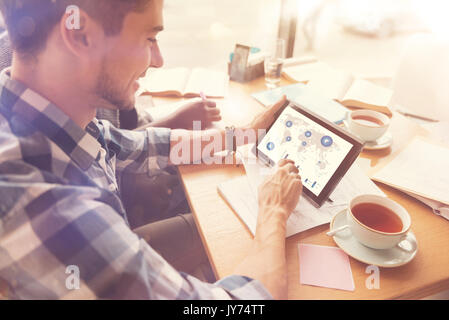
(66, 243)
(144, 151)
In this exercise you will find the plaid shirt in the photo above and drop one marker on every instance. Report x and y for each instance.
(61, 212)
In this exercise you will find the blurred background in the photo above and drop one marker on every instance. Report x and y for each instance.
(365, 37)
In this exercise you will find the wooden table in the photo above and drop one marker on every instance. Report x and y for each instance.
(227, 240)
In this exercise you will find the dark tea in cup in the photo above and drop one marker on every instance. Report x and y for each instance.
(369, 125)
(378, 222)
(377, 217)
(368, 120)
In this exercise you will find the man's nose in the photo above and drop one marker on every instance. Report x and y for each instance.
(156, 57)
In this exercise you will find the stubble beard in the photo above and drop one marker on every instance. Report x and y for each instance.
(109, 94)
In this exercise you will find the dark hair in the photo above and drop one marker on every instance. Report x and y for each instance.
(29, 22)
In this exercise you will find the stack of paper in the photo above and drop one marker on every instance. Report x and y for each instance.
(241, 195)
(421, 170)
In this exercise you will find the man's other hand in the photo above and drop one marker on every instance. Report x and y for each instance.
(266, 118)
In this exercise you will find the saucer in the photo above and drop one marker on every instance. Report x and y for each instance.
(382, 143)
(387, 258)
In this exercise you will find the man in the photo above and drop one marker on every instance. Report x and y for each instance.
(61, 170)
(164, 193)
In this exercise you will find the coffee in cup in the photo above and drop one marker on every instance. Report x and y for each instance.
(369, 125)
(380, 223)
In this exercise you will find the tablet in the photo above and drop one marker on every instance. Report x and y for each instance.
(322, 151)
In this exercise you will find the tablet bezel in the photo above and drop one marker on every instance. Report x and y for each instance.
(357, 146)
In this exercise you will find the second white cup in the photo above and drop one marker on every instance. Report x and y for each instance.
(367, 124)
(377, 239)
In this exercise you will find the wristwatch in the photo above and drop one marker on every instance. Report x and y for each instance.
(230, 140)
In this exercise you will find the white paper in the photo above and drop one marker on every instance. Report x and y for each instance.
(331, 85)
(364, 164)
(420, 168)
(439, 131)
(437, 207)
(239, 195)
(308, 71)
(295, 61)
(212, 83)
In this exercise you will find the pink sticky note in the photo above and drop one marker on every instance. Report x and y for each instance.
(325, 267)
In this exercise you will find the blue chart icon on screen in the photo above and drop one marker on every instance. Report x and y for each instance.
(327, 141)
(308, 134)
(289, 124)
(270, 146)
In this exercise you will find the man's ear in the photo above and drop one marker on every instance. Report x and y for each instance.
(80, 33)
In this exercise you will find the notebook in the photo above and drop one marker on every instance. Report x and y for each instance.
(341, 86)
(352, 92)
(184, 82)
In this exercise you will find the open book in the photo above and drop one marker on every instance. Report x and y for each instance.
(306, 71)
(341, 86)
(184, 82)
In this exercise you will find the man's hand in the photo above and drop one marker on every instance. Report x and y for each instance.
(205, 112)
(266, 118)
(266, 261)
(280, 193)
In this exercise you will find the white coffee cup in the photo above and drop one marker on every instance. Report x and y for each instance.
(369, 125)
(377, 239)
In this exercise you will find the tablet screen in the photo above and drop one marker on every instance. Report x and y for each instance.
(317, 150)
